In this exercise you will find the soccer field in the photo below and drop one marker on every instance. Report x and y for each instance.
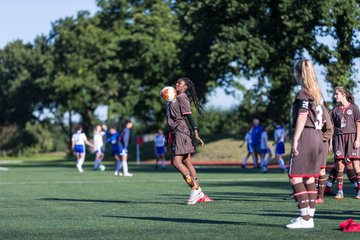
(50, 200)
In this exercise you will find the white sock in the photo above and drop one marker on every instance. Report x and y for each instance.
(125, 165)
(262, 162)
(118, 165)
(163, 163)
(96, 163)
(311, 212)
(329, 184)
(245, 161)
(281, 163)
(304, 211)
(79, 164)
(254, 161)
(267, 161)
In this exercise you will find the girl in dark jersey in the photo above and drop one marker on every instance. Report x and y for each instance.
(180, 136)
(304, 162)
(346, 140)
(327, 132)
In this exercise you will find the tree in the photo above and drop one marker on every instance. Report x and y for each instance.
(82, 54)
(231, 40)
(147, 36)
(21, 69)
(341, 24)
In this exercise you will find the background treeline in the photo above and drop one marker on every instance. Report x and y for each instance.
(124, 54)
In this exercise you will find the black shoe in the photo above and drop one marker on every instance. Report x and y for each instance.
(290, 197)
(329, 192)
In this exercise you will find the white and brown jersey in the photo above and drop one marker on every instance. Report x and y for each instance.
(304, 104)
(181, 135)
(176, 111)
(344, 119)
(306, 162)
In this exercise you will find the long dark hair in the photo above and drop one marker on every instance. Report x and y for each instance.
(348, 95)
(125, 123)
(191, 88)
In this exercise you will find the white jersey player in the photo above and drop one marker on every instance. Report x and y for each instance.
(78, 145)
(98, 148)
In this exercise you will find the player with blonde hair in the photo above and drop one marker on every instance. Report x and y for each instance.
(304, 161)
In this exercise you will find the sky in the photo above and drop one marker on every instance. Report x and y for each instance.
(26, 19)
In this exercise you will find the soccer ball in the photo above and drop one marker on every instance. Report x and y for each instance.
(168, 94)
(102, 168)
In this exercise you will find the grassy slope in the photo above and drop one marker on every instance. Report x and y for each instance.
(44, 201)
(217, 148)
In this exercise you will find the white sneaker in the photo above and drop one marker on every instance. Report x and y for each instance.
(102, 168)
(128, 175)
(358, 195)
(79, 168)
(301, 223)
(295, 219)
(339, 194)
(118, 173)
(195, 195)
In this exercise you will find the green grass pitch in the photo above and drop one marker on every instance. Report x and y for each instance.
(50, 200)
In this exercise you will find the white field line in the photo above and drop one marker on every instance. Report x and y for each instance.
(136, 181)
(3, 169)
(11, 161)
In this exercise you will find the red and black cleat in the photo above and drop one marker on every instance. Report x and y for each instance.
(205, 199)
(329, 192)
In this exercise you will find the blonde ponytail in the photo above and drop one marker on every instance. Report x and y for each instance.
(309, 80)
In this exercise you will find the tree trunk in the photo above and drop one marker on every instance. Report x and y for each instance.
(70, 134)
(87, 121)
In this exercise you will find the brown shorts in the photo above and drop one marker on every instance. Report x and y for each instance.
(182, 143)
(343, 145)
(323, 154)
(307, 162)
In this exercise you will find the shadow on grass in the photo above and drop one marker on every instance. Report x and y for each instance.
(252, 184)
(340, 217)
(198, 221)
(106, 201)
(246, 195)
(220, 197)
(329, 214)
